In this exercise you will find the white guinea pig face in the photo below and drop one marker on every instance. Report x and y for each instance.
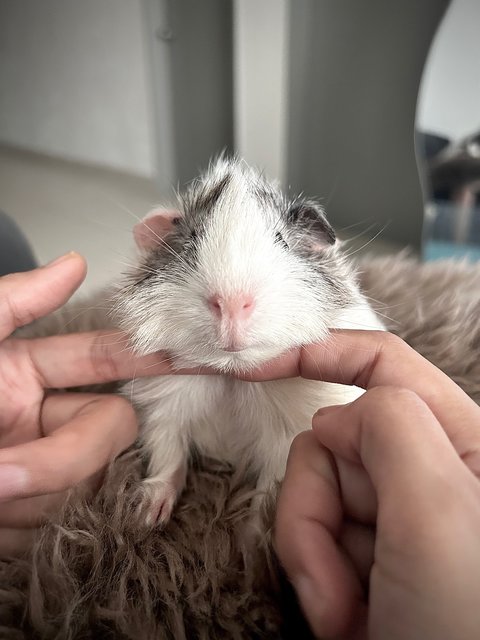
(234, 275)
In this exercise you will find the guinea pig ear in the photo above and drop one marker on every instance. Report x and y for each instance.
(311, 217)
(156, 225)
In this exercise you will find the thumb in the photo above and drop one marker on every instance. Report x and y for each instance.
(24, 297)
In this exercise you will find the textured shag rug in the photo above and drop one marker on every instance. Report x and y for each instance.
(95, 574)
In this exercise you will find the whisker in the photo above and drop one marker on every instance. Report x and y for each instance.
(141, 268)
(367, 327)
(155, 364)
(355, 224)
(359, 235)
(349, 255)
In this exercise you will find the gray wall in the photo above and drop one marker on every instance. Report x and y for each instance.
(202, 83)
(74, 81)
(261, 54)
(144, 86)
(354, 79)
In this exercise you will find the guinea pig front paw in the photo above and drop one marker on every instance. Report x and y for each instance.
(158, 500)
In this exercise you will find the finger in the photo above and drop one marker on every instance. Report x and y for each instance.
(308, 523)
(358, 542)
(24, 297)
(358, 495)
(15, 542)
(97, 432)
(428, 499)
(29, 513)
(388, 431)
(369, 359)
(94, 357)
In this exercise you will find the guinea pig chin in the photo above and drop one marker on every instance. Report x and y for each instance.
(227, 360)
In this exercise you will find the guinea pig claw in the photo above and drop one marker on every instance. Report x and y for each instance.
(160, 498)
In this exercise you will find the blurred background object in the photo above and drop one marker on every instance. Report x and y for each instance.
(452, 212)
(105, 104)
(448, 142)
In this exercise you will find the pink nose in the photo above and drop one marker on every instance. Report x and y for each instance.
(236, 307)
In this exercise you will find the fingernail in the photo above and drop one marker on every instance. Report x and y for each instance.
(324, 411)
(64, 258)
(13, 481)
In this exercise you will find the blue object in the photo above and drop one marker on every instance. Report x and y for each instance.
(442, 250)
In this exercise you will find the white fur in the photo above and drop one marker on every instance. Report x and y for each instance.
(247, 423)
(242, 422)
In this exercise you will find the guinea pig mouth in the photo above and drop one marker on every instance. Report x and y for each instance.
(233, 349)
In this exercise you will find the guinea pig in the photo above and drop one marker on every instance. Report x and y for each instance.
(230, 276)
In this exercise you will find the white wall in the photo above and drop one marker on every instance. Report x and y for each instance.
(449, 100)
(260, 83)
(74, 81)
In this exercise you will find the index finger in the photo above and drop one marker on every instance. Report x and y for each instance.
(92, 357)
(370, 359)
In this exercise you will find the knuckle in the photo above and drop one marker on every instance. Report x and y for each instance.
(19, 317)
(123, 416)
(389, 341)
(113, 406)
(103, 360)
(392, 395)
(383, 344)
(116, 417)
(300, 442)
(120, 406)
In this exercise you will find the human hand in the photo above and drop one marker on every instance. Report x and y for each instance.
(378, 520)
(50, 442)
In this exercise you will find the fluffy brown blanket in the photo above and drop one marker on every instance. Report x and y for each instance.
(94, 574)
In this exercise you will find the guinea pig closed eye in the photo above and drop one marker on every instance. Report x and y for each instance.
(231, 275)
